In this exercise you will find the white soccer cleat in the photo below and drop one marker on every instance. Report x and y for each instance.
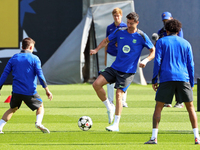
(197, 141)
(111, 114)
(1, 132)
(112, 128)
(42, 128)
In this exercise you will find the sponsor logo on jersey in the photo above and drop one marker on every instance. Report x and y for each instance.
(126, 49)
(121, 37)
(134, 40)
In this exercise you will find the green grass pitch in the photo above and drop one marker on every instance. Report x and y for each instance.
(70, 102)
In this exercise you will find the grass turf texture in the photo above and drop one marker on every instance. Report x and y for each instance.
(73, 101)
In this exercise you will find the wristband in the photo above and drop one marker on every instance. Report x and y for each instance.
(145, 61)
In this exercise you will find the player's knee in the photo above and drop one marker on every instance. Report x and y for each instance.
(14, 109)
(95, 85)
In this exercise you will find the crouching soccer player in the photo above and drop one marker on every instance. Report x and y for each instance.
(25, 68)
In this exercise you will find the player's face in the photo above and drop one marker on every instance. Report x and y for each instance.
(165, 20)
(132, 25)
(117, 17)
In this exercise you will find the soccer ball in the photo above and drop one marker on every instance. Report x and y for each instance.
(85, 123)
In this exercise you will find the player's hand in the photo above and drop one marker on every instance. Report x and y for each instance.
(49, 95)
(143, 63)
(155, 86)
(93, 51)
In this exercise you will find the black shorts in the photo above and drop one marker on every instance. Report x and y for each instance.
(166, 91)
(122, 80)
(33, 102)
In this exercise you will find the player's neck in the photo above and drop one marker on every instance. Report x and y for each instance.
(132, 30)
(117, 23)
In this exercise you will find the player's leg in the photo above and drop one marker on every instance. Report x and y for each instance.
(110, 87)
(118, 110)
(6, 117)
(39, 114)
(39, 117)
(186, 95)
(34, 102)
(164, 95)
(119, 95)
(156, 119)
(98, 84)
(15, 104)
(110, 91)
(193, 120)
(124, 103)
(123, 81)
(98, 87)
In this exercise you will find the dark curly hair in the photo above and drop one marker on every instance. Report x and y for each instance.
(173, 26)
(133, 16)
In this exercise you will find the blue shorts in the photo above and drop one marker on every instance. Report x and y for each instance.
(122, 80)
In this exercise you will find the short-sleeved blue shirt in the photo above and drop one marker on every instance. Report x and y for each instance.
(112, 49)
(129, 49)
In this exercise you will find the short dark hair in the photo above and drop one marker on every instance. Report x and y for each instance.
(173, 26)
(26, 43)
(133, 16)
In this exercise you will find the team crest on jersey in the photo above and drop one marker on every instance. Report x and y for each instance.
(134, 40)
(126, 49)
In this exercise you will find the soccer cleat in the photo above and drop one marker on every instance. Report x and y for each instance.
(125, 104)
(42, 128)
(179, 105)
(154, 141)
(112, 128)
(197, 141)
(111, 114)
(167, 105)
(1, 132)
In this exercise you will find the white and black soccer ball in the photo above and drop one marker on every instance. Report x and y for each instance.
(85, 123)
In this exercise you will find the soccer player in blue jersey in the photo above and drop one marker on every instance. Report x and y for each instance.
(25, 68)
(111, 51)
(130, 42)
(174, 65)
(162, 33)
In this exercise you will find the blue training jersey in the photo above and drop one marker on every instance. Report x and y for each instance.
(112, 49)
(25, 68)
(173, 60)
(129, 49)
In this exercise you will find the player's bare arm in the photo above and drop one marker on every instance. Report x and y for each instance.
(100, 46)
(149, 58)
(105, 60)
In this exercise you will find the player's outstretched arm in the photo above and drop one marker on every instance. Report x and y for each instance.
(48, 93)
(100, 46)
